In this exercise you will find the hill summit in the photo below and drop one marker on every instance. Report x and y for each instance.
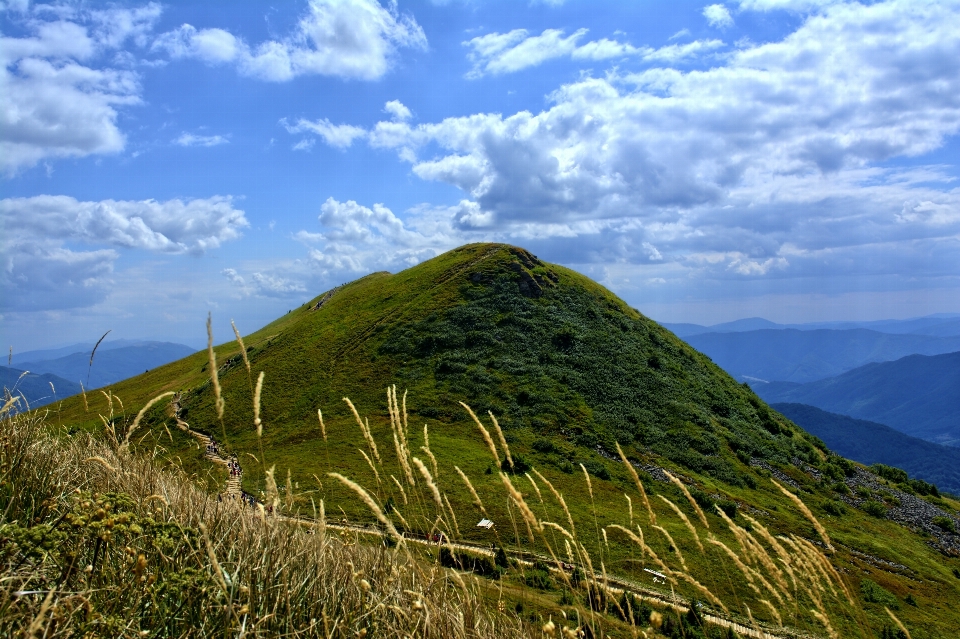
(566, 366)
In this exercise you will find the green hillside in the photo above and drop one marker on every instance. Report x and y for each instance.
(570, 372)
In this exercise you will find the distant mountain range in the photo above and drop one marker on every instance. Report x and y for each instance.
(873, 443)
(36, 388)
(918, 395)
(804, 356)
(113, 362)
(938, 325)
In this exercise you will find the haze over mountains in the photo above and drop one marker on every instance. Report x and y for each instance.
(872, 443)
(755, 349)
(918, 395)
(67, 367)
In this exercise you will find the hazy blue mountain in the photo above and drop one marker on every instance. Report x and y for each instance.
(873, 443)
(805, 356)
(36, 388)
(917, 395)
(111, 364)
(81, 347)
(938, 325)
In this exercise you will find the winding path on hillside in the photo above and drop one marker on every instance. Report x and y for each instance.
(614, 585)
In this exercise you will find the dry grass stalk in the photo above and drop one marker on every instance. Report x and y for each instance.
(403, 493)
(256, 405)
(704, 590)
(806, 513)
(693, 502)
(819, 562)
(525, 511)
(365, 430)
(434, 491)
(686, 521)
(433, 460)
(403, 456)
(629, 507)
(503, 439)
(400, 433)
(103, 462)
(673, 544)
(773, 611)
(323, 427)
(143, 411)
(370, 464)
(770, 539)
(83, 391)
(536, 488)
(212, 361)
(745, 569)
(243, 349)
(636, 480)
(900, 625)
(273, 495)
(453, 515)
(473, 492)
(486, 435)
(559, 497)
(822, 618)
(371, 504)
(586, 476)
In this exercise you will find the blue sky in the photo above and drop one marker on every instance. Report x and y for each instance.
(791, 159)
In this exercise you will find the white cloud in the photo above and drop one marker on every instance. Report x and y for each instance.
(58, 101)
(341, 38)
(789, 5)
(718, 16)
(396, 109)
(682, 33)
(174, 226)
(189, 139)
(499, 53)
(213, 46)
(356, 239)
(41, 276)
(47, 266)
(749, 169)
(340, 136)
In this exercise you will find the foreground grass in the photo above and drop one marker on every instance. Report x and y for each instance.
(98, 542)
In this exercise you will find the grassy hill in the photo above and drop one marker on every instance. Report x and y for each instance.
(570, 372)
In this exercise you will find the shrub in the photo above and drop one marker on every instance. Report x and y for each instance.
(834, 507)
(890, 473)
(874, 508)
(729, 508)
(872, 592)
(597, 469)
(945, 523)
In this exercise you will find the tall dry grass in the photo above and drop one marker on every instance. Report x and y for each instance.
(96, 541)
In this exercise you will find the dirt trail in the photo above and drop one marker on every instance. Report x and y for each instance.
(212, 453)
(614, 585)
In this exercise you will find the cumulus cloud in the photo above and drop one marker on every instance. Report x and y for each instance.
(50, 259)
(718, 16)
(174, 226)
(189, 139)
(397, 109)
(355, 238)
(752, 168)
(499, 53)
(341, 38)
(340, 136)
(60, 100)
